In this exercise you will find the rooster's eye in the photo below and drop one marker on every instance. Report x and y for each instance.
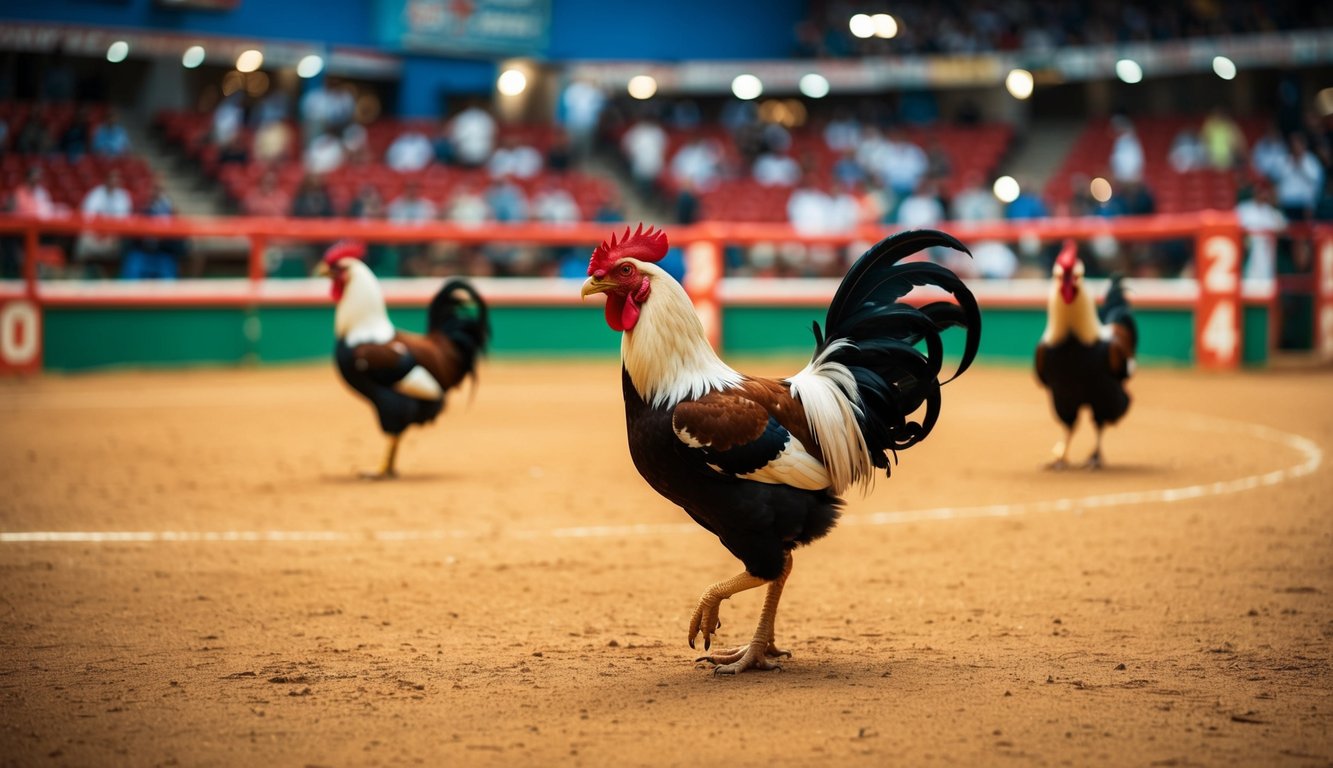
(626, 270)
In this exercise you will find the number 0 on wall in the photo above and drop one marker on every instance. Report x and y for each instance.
(20, 337)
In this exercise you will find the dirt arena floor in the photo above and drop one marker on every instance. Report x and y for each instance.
(228, 593)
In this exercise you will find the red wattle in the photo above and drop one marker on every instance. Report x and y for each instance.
(1068, 291)
(630, 314)
(336, 290)
(615, 309)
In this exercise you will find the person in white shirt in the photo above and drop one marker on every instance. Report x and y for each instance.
(472, 132)
(1126, 159)
(1297, 178)
(1262, 222)
(512, 159)
(902, 164)
(410, 151)
(644, 145)
(106, 200)
(326, 153)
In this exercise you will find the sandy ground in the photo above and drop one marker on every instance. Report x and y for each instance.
(520, 597)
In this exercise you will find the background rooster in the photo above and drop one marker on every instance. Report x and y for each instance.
(1084, 358)
(761, 462)
(405, 376)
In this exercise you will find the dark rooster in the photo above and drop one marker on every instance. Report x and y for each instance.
(761, 462)
(405, 376)
(1085, 358)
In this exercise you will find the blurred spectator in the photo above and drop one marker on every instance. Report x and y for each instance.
(35, 137)
(846, 169)
(148, 258)
(273, 142)
(267, 198)
(411, 207)
(356, 145)
(1126, 159)
(1136, 199)
(698, 162)
(368, 205)
(472, 135)
(581, 106)
(1268, 152)
(228, 119)
(521, 161)
(776, 168)
(560, 153)
(922, 208)
(410, 151)
(644, 145)
(467, 206)
(939, 165)
(901, 164)
(974, 202)
(1028, 204)
(1298, 178)
(842, 131)
(808, 210)
(30, 198)
(312, 200)
(1262, 221)
(1187, 152)
(1222, 140)
(325, 154)
(106, 200)
(507, 200)
(443, 144)
(77, 136)
(554, 205)
(234, 151)
(992, 260)
(110, 139)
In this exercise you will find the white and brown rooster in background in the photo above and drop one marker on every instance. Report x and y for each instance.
(405, 376)
(1085, 358)
(761, 462)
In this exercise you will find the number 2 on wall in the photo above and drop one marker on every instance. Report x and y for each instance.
(1221, 265)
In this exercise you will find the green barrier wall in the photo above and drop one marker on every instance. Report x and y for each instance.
(87, 338)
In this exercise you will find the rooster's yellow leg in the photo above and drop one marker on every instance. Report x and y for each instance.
(705, 617)
(387, 471)
(1061, 450)
(761, 651)
(1095, 460)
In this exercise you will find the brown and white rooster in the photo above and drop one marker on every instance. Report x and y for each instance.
(761, 462)
(405, 376)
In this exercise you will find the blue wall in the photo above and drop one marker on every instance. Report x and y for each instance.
(580, 30)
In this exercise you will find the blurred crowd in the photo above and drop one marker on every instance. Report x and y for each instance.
(974, 26)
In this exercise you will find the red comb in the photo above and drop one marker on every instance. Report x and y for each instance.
(345, 249)
(644, 246)
(1068, 256)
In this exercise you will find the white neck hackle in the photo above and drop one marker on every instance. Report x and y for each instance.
(667, 354)
(361, 315)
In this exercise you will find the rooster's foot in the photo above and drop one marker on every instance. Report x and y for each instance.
(1058, 465)
(389, 475)
(753, 656)
(1094, 461)
(722, 658)
(706, 619)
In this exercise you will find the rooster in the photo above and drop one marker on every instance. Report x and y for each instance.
(1085, 358)
(761, 462)
(405, 376)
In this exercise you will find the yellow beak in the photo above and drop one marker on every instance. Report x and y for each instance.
(322, 270)
(593, 285)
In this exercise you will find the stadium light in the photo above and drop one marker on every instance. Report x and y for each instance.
(511, 82)
(1006, 189)
(193, 57)
(862, 26)
(1224, 68)
(642, 87)
(1100, 189)
(1129, 71)
(886, 26)
(1019, 83)
(117, 51)
(747, 87)
(814, 85)
(249, 61)
(309, 66)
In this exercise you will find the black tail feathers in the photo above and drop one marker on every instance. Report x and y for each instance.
(1115, 309)
(893, 376)
(461, 314)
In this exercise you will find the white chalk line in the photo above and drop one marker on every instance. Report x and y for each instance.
(1312, 456)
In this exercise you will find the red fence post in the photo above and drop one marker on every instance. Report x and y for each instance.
(1217, 316)
(703, 273)
(1323, 268)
